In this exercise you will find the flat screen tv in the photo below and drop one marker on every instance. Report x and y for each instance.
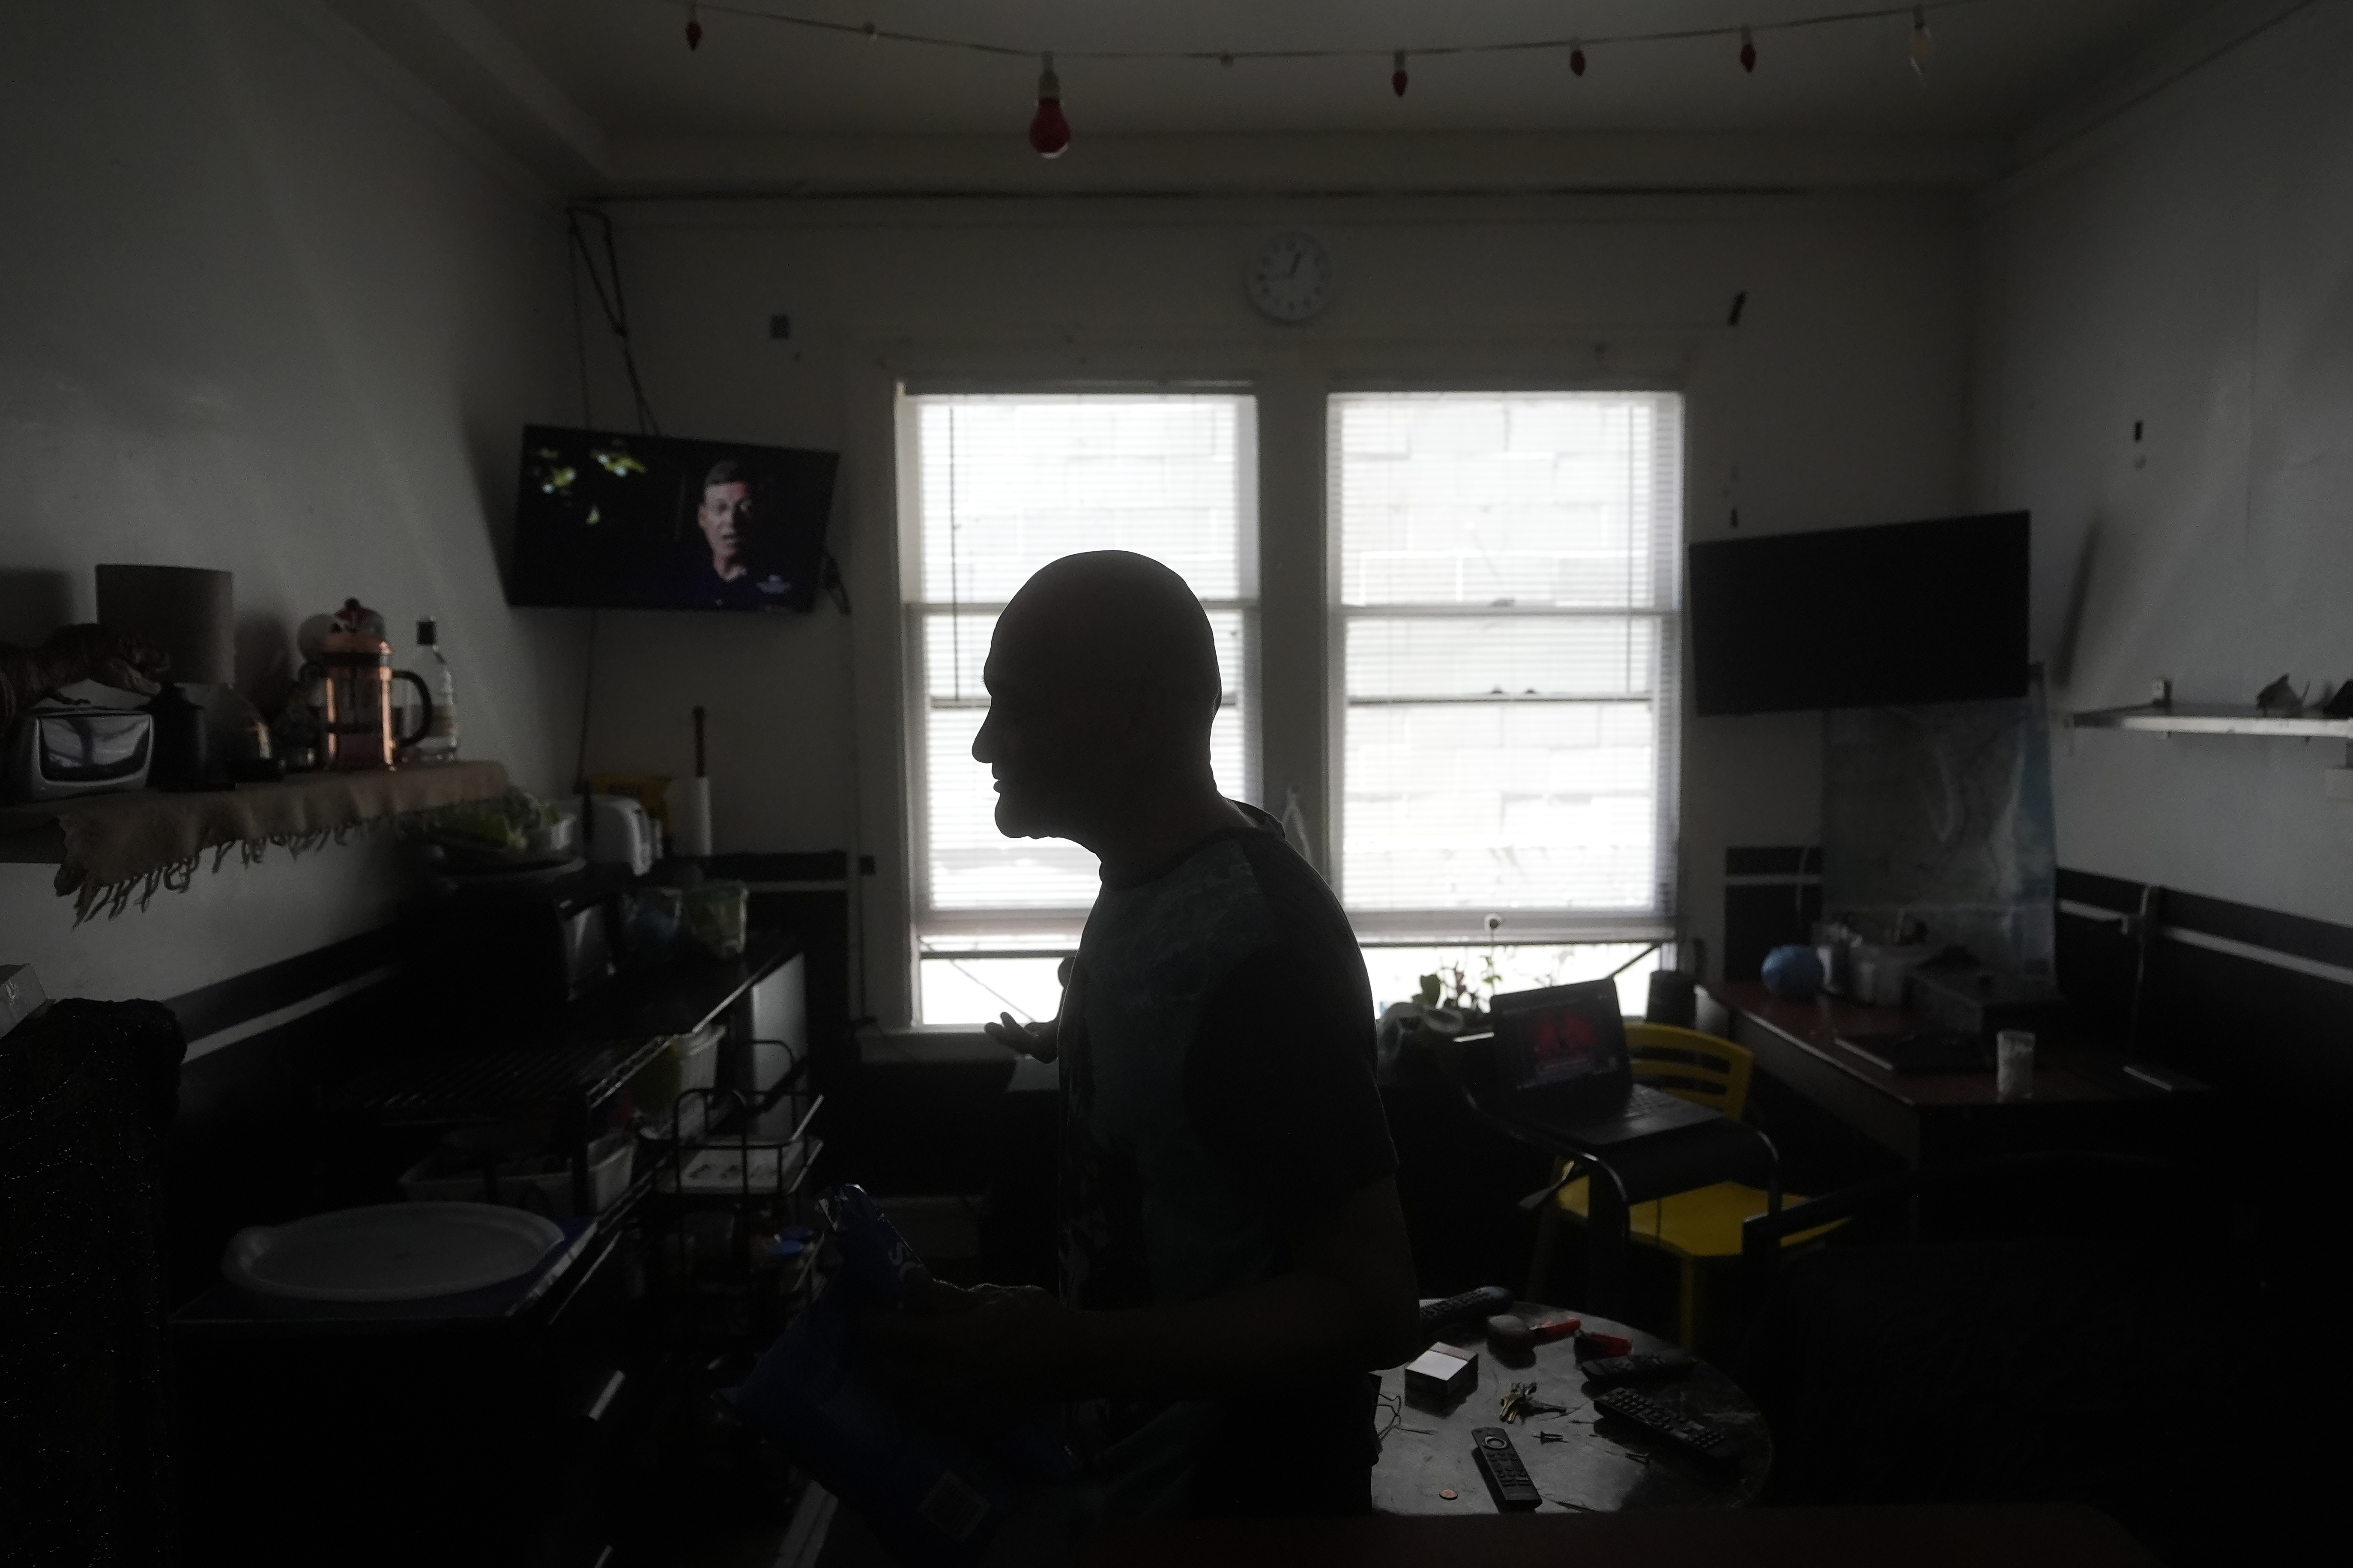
(610, 521)
(1860, 617)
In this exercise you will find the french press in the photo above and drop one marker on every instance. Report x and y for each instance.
(356, 668)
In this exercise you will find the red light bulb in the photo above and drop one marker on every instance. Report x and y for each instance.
(693, 29)
(1049, 134)
(1577, 58)
(1747, 51)
(1397, 77)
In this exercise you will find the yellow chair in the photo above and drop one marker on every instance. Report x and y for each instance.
(1693, 1227)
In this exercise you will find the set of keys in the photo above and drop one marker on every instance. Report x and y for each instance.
(1520, 1404)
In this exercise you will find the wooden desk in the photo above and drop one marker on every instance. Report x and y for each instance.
(2081, 1100)
(2016, 1535)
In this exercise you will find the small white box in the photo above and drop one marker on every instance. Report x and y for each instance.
(1440, 1374)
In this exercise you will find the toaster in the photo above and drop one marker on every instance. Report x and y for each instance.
(620, 833)
(58, 749)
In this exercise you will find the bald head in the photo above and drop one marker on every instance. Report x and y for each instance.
(1113, 616)
(1103, 680)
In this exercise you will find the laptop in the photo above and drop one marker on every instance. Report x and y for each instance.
(1561, 1064)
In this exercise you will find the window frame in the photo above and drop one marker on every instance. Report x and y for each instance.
(1660, 923)
(1297, 733)
(1053, 931)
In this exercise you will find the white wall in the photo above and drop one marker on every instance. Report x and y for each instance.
(2189, 267)
(1837, 401)
(265, 306)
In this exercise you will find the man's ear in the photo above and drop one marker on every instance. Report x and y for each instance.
(1150, 718)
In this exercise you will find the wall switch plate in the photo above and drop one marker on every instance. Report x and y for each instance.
(2336, 783)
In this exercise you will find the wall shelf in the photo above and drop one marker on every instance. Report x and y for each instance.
(2192, 719)
(101, 843)
(2161, 715)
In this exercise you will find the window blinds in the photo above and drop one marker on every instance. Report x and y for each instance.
(1006, 484)
(1508, 608)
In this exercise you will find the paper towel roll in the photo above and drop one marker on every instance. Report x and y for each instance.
(690, 818)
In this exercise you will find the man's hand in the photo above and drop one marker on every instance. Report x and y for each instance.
(1348, 1305)
(1039, 1040)
(993, 1344)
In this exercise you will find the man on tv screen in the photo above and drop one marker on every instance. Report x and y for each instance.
(722, 567)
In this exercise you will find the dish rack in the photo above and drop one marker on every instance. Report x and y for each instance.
(737, 1166)
(540, 1184)
(727, 1202)
(574, 1084)
(673, 1167)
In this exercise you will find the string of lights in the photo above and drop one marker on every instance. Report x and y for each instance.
(1049, 131)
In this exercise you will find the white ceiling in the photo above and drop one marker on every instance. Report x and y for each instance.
(601, 77)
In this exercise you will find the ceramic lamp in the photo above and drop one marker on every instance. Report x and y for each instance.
(188, 612)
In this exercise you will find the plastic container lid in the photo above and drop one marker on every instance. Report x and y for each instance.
(390, 1252)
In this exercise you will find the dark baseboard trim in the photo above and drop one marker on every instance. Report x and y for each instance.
(229, 1010)
(2191, 917)
(1772, 895)
(1772, 860)
(826, 866)
(2110, 894)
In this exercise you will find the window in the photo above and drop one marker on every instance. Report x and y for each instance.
(1395, 971)
(1002, 485)
(1507, 650)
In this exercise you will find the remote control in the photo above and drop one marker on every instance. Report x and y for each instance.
(1499, 1464)
(1713, 1445)
(1470, 1307)
(1611, 1370)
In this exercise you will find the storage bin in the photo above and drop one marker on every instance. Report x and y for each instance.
(691, 1062)
(541, 1182)
(716, 916)
(698, 1056)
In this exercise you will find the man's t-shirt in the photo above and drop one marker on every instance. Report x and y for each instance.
(1217, 1067)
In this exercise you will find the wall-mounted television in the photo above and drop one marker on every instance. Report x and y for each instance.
(1861, 617)
(611, 520)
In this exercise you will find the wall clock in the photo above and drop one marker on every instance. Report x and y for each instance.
(1291, 277)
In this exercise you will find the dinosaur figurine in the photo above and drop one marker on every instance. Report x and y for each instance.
(2279, 700)
(87, 652)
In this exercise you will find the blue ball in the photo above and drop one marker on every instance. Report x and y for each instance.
(1792, 972)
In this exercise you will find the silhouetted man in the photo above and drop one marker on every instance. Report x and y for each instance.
(1234, 1261)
